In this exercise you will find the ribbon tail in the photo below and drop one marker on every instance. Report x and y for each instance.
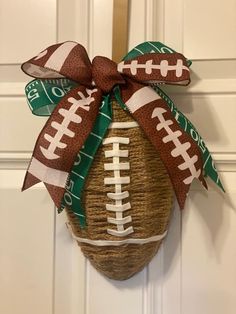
(60, 140)
(208, 163)
(77, 178)
(29, 181)
(177, 150)
(55, 192)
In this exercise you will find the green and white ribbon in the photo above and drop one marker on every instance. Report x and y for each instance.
(187, 126)
(44, 95)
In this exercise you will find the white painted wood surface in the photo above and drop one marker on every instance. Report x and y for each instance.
(41, 269)
(26, 247)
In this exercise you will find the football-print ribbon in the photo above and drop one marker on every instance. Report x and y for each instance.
(77, 95)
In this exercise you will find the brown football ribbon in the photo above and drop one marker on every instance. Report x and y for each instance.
(72, 120)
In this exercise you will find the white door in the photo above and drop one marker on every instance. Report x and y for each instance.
(41, 269)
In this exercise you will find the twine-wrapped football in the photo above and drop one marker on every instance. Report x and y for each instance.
(122, 173)
(150, 197)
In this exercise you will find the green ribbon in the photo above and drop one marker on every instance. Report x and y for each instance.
(44, 95)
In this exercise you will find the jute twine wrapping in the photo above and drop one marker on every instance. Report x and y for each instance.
(150, 195)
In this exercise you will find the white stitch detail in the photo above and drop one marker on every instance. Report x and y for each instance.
(69, 115)
(181, 149)
(116, 153)
(116, 139)
(137, 241)
(164, 67)
(116, 180)
(123, 125)
(120, 166)
(118, 208)
(120, 221)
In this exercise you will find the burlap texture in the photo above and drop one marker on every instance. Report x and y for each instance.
(151, 197)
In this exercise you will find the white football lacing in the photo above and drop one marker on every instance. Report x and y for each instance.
(118, 196)
(181, 148)
(164, 67)
(119, 207)
(69, 115)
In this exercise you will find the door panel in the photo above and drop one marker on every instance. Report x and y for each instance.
(26, 247)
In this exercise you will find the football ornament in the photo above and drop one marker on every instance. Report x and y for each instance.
(115, 149)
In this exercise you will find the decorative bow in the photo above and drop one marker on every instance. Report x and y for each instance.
(78, 93)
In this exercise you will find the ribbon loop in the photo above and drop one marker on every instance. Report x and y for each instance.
(157, 68)
(68, 59)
